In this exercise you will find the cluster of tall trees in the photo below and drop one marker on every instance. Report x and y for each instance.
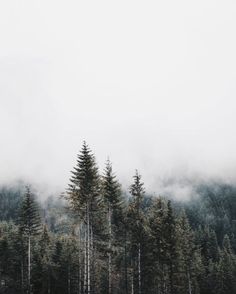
(112, 244)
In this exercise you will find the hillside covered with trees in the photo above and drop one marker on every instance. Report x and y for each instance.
(98, 239)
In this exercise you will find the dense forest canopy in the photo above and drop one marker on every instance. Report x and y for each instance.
(97, 238)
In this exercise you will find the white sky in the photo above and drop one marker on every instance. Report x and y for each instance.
(149, 83)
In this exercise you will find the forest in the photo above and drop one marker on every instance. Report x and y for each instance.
(96, 238)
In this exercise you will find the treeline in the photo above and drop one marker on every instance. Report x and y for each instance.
(105, 242)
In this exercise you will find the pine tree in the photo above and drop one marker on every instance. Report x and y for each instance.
(30, 225)
(57, 281)
(186, 259)
(171, 247)
(157, 242)
(83, 197)
(137, 230)
(41, 273)
(113, 203)
(227, 266)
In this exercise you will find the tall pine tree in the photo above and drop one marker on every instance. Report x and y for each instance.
(83, 197)
(30, 225)
(113, 203)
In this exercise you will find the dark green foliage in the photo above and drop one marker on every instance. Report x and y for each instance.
(10, 202)
(113, 196)
(84, 187)
(111, 243)
(30, 222)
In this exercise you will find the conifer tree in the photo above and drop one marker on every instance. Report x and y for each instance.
(41, 273)
(30, 225)
(187, 270)
(227, 267)
(113, 203)
(171, 248)
(83, 196)
(157, 245)
(137, 229)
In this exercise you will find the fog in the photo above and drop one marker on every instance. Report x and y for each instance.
(151, 84)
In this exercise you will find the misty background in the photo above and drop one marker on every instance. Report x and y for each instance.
(151, 84)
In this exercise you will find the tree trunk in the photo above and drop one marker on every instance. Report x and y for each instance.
(85, 260)
(79, 269)
(126, 270)
(132, 281)
(109, 254)
(22, 276)
(92, 263)
(189, 284)
(89, 261)
(69, 279)
(29, 265)
(49, 283)
(139, 269)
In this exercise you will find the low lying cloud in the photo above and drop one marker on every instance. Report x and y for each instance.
(151, 87)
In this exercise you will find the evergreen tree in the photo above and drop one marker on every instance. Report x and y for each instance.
(83, 196)
(171, 247)
(30, 225)
(157, 246)
(186, 258)
(227, 267)
(113, 203)
(41, 273)
(137, 224)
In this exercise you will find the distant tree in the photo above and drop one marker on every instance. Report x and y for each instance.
(113, 202)
(137, 223)
(157, 245)
(30, 225)
(187, 268)
(171, 247)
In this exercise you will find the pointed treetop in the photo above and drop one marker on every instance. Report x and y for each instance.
(30, 222)
(137, 188)
(111, 187)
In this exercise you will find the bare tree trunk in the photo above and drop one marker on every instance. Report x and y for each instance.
(79, 270)
(109, 254)
(189, 284)
(92, 257)
(139, 269)
(22, 275)
(89, 261)
(69, 281)
(132, 281)
(126, 270)
(29, 265)
(85, 260)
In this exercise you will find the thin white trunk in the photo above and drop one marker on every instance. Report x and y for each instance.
(132, 281)
(189, 284)
(89, 261)
(139, 269)
(29, 265)
(85, 260)
(109, 254)
(92, 257)
(69, 279)
(79, 270)
(79, 273)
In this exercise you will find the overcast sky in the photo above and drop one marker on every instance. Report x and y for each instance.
(151, 84)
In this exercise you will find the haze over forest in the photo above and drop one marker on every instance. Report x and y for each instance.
(112, 115)
(151, 86)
